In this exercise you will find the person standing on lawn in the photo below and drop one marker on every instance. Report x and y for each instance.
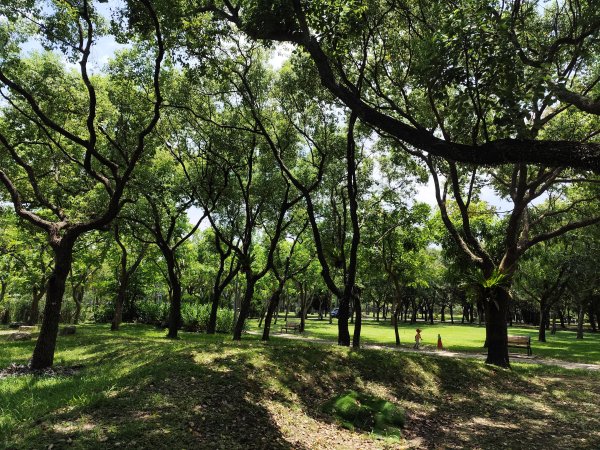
(417, 339)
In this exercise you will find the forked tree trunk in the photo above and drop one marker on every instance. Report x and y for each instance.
(43, 353)
(496, 332)
(218, 288)
(244, 307)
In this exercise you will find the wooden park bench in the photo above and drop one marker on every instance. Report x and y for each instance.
(520, 342)
(294, 326)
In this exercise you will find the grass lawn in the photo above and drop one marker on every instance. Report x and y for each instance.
(139, 390)
(467, 338)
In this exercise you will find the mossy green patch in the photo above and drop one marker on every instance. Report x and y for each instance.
(363, 412)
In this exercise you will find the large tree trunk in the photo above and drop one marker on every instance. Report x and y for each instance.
(43, 353)
(244, 307)
(118, 317)
(344, 312)
(497, 303)
(175, 284)
(273, 303)
(214, 308)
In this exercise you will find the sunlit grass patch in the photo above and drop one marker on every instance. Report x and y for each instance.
(462, 337)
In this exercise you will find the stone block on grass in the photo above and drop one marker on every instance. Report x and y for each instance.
(68, 330)
(19, 336)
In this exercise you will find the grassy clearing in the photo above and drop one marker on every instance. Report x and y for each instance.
(467, 338)
(139, 390)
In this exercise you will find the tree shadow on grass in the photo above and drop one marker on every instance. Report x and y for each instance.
(167, 401)
(209, 392)
(466, 403)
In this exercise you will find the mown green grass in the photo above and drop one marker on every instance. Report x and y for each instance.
(465, 338)
(139, 390)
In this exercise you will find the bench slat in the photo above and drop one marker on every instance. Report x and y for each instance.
(520, 342)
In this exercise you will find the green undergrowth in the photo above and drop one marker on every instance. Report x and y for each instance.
(136, 389)
(356, 411)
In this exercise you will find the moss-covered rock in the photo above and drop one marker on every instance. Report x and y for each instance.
(363, 412)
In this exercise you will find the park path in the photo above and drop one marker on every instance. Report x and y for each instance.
(445, 353)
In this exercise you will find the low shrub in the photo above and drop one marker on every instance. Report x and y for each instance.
(225, 321)
(365, 412)
(18, 308)
(151, 312)
(103, 312)
(195, 317)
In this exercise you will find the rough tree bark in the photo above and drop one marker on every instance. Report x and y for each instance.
(246, 302)
(43, 353)
(496, 307)
(175, 283)
(273, 304)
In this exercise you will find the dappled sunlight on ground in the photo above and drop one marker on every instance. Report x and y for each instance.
(139, 390)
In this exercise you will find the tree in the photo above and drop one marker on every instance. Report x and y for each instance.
(223, 277)
(397, 40)
(161, 214)
(284, 271)
(27, 263)
(62, 169)
(544, 277)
